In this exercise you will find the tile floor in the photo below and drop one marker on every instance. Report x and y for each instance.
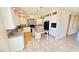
(68, 44)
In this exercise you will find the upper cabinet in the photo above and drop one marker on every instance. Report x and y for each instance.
(8, 17)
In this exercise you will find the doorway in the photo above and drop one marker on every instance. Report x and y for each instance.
(68, 24)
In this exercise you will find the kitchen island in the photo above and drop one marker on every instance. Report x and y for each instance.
(16, 41)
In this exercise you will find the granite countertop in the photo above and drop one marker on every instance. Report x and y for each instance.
(15, 34)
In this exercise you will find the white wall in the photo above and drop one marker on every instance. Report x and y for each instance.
(63, 23)
(73, 27)
(3, 36)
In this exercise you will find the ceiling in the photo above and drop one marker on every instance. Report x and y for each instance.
(38, 11)
(43, 10)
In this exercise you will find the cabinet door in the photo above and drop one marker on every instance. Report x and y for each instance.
(16, 43)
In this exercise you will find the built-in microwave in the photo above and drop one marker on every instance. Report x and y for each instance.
(53, 25)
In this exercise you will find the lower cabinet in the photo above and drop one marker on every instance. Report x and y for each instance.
(16, 43)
